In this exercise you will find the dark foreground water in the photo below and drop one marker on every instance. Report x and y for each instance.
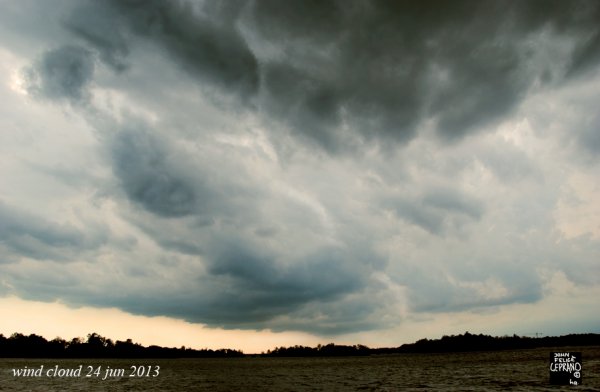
(522, 370)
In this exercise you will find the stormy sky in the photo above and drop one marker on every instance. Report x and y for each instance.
(366, 170)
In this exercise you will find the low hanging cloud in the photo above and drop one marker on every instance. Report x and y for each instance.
(327, 167)
(25, 234)
(383, 70)
(142, 165)
(214, 51)
(437, 210)
(62, 73)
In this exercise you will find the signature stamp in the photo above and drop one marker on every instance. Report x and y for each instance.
(565, 368)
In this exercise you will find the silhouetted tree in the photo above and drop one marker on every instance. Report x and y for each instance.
(32, 346)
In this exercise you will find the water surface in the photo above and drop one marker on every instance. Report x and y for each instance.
(520, 370)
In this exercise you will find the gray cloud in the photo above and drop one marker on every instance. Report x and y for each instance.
(243, 286)
(318, 276)
(381, 70)
(208, 115)
(170, 182)
(508, 162)
(441, 296)
(586, 56)
(24, 234)
(62, 73)
(212, 50)
(452, 201)
(437, 210)
(257, 286)
(590, 136)
(385, 68)
(142, 165)
(458, 279)
(247, 280)
(100, 30)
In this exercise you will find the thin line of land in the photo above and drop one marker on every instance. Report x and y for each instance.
(97, 346)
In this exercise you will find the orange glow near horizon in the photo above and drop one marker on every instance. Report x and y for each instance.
(55, 319)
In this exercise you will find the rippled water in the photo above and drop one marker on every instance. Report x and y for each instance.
(522, 370)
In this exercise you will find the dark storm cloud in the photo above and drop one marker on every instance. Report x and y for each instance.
(24, 234)
(247, 286)
(303, 101)
(62, 73)
(228, 234)
(142, 165)
(587, 53)
(170, 182)
(361, 312)
(380, 68)
(380, 57)
(264, 279)
(176, 236)
(578, 17)
(247, 283)
(211, 49)
(100, 30)
(437, 210)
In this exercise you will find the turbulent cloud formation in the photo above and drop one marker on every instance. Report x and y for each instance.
(330, 167)
(437, 210)
(62, 73)
(141, 164)
(214, 51)
(380, 68)
(23, 234)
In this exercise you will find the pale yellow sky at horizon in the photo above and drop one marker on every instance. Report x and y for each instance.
(55, 319)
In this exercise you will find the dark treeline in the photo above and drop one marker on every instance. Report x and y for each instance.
(454, 343)
(471, 342)
(329, 350)
(96, 346)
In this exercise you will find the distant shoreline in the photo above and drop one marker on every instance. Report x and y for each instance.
(97, 346)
